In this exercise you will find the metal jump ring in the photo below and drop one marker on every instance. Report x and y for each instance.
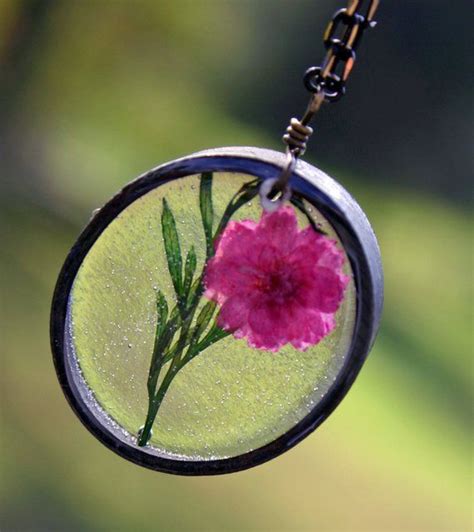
(274, 192)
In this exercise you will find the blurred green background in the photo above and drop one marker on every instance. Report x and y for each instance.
(95, 92)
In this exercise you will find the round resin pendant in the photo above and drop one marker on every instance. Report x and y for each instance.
(195, 333)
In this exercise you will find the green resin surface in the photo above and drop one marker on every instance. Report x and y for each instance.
(231, 398)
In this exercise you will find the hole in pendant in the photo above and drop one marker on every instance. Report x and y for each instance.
(271, 197)
(274, 195)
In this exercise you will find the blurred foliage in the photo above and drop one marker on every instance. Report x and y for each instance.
(95, 92)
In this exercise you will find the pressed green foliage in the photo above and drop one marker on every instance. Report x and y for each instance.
(188, 292)
(115, 347)
(189, 271)
(207, 212)
(300, 205)
(215, 334)
(204, 318)
(172, 248)
(161, 313)
(245, 194)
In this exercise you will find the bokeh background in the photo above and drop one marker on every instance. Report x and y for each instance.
(95, 92)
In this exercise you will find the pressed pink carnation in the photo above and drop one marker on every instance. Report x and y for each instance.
(274, 283)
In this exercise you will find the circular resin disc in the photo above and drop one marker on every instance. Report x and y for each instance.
(233, 405)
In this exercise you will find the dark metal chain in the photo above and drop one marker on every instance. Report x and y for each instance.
(327, 83)
(341, 39)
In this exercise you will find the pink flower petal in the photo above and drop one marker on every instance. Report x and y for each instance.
(237, 237)
(268, 326)
(326, 290)
(226, 277)
(234, 313)
(279, 228)
(275, 284)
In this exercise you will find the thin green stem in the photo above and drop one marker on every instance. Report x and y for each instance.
(154, 405)
(174, 354)
(242, 196)
(213, 336)
(188, 295)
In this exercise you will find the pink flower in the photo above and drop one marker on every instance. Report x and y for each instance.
(274, 283)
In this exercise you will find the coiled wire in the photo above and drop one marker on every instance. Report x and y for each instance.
(297, 136)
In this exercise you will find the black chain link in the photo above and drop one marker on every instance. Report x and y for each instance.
(341, 39)
(328, 81)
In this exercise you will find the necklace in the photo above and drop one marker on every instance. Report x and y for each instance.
(217, 309)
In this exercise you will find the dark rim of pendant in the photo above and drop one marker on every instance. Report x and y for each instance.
(356, 235)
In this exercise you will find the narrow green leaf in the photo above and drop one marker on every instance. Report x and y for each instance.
(214, 335)
(189, 270)
(204, 318)
(162, 344)
(244, 195)
(162, 313)
(195, 292)
(185, 339)
(299, 204)
(164, 334)
(207, 212)
(172, 249)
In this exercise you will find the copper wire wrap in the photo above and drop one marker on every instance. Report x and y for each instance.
(296, 136)
(325, 83)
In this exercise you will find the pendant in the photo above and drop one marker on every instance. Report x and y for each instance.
(196, 332)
